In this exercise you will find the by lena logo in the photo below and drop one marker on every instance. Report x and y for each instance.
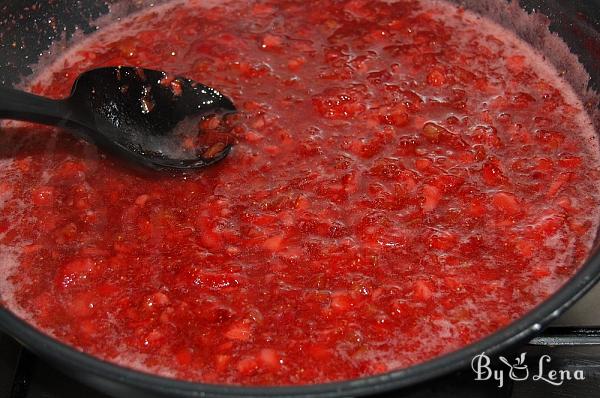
(519, 371)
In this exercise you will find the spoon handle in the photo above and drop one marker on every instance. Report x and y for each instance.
(20, 105)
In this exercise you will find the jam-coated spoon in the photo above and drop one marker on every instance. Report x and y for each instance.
(142, 115)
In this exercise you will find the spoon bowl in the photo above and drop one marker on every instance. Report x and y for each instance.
(145, 116)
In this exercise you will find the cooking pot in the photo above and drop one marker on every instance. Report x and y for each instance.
(28, 28)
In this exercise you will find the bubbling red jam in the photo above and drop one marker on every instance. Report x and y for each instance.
(407, 179)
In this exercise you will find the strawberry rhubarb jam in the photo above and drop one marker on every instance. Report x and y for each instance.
(407, 178)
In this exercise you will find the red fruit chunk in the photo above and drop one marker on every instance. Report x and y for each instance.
(487, 135)
(423, 164)
(273, 244)
(550, 139)
(222, 362)
(507, 203)
(141, 200)
(433, 132)
(515, 63)
(558, 183)
(269, 358)
(184, 357)
(476, 207)
(249, 71)
(522, 100)
(443, 241)
(492, 174)
(296, 63)
(570, 162)
(366, 148)
(397, 117)
(423, 290)
(43, 196)
(436, 78)
(74, 272)
(211, 240)
(431, 196)
(341, 301)
(338, 104)
(438, 134)
(248, 366)
(388, 168)
(463, 75)
(70, 169)
(447, 182)
(240, 331)
(271, 42)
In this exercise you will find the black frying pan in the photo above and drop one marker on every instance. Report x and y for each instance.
(26, 31)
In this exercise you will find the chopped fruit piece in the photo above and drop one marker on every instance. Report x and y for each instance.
(440, 135)
(222, 362)
(525, 248)
(74, 271)
(184, 358)
(558, 183)
(176, 88)
(71, 168)
(476, 208)
(492, 174)
(550, 139)
(515, 63)
(141, 200)
(269, 358)
(507, 203)
(338, 104)
(423, 164)
(247, 366)
(423, 290)
(240, 331)
(252, 136)
(432, 131)
(432, 196)
(296, 63)
(214, 150)
(43, 196)
(396, 117)
(341, 301)
(273, 244)
(436, 78)
(443, 241)
(271, 42)
(570, 162)
(211, 240)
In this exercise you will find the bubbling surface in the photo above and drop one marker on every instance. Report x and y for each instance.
(408, 178)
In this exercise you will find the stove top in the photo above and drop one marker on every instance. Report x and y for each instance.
(570, 345)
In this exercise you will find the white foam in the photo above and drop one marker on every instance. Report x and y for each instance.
(9, 265)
